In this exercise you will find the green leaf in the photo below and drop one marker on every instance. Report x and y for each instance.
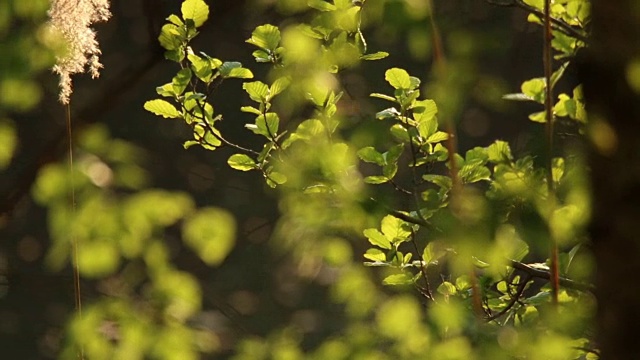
(261, 56)
(539, 117)
(375, 255)
(321, 5)
(166, 90)
(234, 69)
(534, 89)
(499, 152)
(394, 153)
(400, 133)
(170, 37)
(424, 110)
(276, 177)
(437, 137)
(201, 67)
(266, 37)
(395, 229)
(432, 254)
(447, 288)
(440, 180)
(162, 108)
(181, 80)
(257, 90)
(210, 232)
(240, 73)
(376, 179)
(279, 85)
(189, 143)
(375, 56)
(370, 155)
(398, 78)
(474, 173)
(174, 19)
(196, 10)
(518, 97)
(267, 127)
(376, 238)
(383, 96)
(250, 109)
(398, 279)
(390, 170)
(390, 113)
(241, 162)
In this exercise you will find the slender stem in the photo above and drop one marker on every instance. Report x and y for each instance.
(543, 274)
(74, 241)
(514, 298)
(548, 105)
(555, 23)
(423, 267)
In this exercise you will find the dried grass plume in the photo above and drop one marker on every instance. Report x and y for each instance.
(73, 19)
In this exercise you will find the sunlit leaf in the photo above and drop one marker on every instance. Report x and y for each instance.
(398, 78)
(196, 10)
(162, 108)
(241, 162)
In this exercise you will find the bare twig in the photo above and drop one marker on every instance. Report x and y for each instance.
(514, 298)
(545, 274)
(556, 23)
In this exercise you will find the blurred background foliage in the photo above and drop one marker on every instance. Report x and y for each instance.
(184, 258)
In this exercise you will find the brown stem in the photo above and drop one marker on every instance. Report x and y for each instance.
(548, 106)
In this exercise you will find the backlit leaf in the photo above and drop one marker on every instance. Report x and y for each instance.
(161, 108)
(196, 10)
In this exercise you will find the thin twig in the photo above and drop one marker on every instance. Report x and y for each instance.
(556, 23)
(514, 299)
(548, 106)
(423, 266)
(544, 274)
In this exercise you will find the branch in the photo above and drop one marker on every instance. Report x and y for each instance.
(558, 24)
(514, 299)
(544, 274)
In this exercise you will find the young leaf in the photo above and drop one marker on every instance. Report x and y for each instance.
(201, 67)
(321, 5)
(400, 133)
(170, 37)
(196, 10)
(376, 179)
(241, 162)
(370, 155)
(250, 109)
(447, 288)
(383, 96)
(499, 152)
(375, 255)
(398, 279)
(390, 113)
(181, 80)
(279, 85)
(395, 229)
(166, 90)
(162, 108)
(267, 127)
(234, 69)
(375, 56)
(534, 88)
(266, 37)
(257, 90)
(376, 238)
(398, 78)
